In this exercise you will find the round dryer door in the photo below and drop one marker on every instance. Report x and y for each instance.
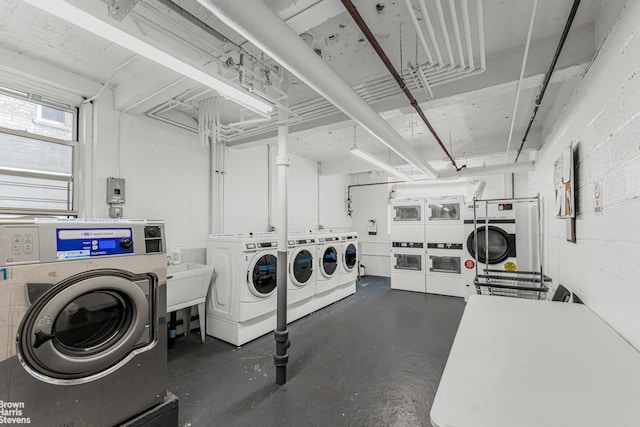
(329, 261)
(263, 279)
(350, 257)
(87, 326)
(301, 267)
(501, 245)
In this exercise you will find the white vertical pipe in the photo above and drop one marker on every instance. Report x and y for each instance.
(480, 14)
(432, 34)
(282, 334)
(467, 32)
(419, 33)
(456, 32)
(522, 69)
(445, 31)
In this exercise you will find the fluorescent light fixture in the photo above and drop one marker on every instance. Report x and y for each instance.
(88, 22)
(376, 161)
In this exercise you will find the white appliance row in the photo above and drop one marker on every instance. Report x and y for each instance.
(241, 305)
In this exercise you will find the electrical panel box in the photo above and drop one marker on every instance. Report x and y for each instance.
(115, 191)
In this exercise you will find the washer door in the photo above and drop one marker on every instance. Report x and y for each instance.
(350, 257)
(502, 245)
(262, 275)
(328, 261)
(301, 267)
(87, 326)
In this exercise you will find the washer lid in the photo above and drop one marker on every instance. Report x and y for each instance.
(263, 280)
(350, 256)
(328, 260)
(87, 325)
(502, 245)
(301, 267)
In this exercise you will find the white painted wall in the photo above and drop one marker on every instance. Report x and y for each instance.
(246, 190)
(313, 199)
(166, 173)
(603, 119)
(372, 202)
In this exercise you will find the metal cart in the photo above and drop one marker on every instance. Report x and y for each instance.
(515, 284)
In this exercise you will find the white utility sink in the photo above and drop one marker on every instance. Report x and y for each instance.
(187, 285)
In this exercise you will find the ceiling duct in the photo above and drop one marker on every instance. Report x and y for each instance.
(262, 27)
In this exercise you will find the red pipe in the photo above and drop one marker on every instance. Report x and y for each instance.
(385, 59)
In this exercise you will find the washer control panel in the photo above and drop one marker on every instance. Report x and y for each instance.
(74, 243)
(21, 245)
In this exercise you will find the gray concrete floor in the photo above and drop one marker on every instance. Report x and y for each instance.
(372, 359)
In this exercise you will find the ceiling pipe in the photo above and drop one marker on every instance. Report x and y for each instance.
(419, 33)
(480, 14)
(445, 31)
(257, 23)
(547, 77)
(456, 32)
(432, 34)
(524, 65)
(490, 170)
(387, 62)
(467, 32)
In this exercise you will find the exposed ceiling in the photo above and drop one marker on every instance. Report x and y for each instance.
(472, 115)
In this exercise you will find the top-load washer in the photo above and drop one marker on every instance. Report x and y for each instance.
(301, 286)
(328, 268)
(496, 224)
(82, 306)
(348, 265)
(241, 304)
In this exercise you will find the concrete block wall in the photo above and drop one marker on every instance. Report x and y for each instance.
(602, 120)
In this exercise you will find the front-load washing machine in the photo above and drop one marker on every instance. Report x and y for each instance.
(301, 285)
(499, 230)
(82, 321)
(348, 265)
(328, 269)
(241, 304)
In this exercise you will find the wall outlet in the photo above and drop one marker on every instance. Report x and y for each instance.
(116, 211)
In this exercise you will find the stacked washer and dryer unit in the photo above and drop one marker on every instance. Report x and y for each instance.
(427, 248)
(242, 304)
(84, 311)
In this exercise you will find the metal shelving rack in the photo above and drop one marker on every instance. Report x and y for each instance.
(516, 284)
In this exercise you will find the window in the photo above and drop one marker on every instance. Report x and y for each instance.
(38, 163)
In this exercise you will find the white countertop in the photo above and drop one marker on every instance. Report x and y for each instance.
(520, 363)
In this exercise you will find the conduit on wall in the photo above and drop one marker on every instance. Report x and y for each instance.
(209, 134)
(547, 77)
(387, 62)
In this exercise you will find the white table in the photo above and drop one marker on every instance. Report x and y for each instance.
(520, 363)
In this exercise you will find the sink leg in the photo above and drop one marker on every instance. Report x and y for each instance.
(186, 320)
(203, 321)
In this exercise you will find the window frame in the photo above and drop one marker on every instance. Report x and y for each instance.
(73, 200)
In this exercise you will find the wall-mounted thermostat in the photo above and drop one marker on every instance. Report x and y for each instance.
(115, 191)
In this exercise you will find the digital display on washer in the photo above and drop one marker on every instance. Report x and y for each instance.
(74, 243)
